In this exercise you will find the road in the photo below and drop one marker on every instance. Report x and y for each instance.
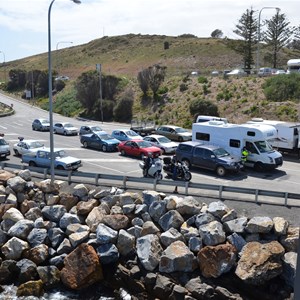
(284, 179)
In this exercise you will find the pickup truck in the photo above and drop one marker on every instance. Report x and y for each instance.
(209, 157)
(4, 147)
(41, 158)
(143, 127)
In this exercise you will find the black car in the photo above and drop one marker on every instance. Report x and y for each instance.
(209, 157)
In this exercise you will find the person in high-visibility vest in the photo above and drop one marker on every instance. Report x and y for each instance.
(244, 157)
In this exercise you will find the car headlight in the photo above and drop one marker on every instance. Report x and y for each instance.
(271, 159)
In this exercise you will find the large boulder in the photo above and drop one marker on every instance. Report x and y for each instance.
(260, 262)
(82, 268)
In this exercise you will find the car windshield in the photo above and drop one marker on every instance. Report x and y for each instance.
(180, 130)
(131, 133)
(144, 144)
(44, 121)
(105, 137)
(60, 153)
(263, 146)
(3, 142)
(96, 128)
(220, 152)
(35, 144)
(163, 139)
(68, 125)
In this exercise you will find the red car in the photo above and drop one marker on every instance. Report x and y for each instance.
(138, 148)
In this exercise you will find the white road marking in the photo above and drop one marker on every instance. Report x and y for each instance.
(106, 160)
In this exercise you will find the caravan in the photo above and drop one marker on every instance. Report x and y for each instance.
(234, 137)
(288, 134)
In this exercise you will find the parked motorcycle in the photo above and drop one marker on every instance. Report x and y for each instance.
(182, 170)
(154, 170)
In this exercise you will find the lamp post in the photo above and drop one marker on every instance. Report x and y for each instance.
(258, 33)
(57, 51)
(50, 92)
(4, 65)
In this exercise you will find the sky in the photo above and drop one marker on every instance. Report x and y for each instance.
(24, 23)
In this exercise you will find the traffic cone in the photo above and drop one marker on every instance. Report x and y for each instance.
(176, 190)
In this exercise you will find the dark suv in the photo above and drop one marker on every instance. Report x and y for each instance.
(207, 157)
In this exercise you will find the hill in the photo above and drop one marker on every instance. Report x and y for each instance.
(238, 99)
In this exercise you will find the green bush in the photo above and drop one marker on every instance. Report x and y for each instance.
(282, 88)
(183, 87)
(202, 79)
(203, 107)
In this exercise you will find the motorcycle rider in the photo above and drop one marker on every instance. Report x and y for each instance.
(148, 163)
(174, 163)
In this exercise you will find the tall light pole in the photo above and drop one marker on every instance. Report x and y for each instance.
(50, 92)
(57, 51)
(4, 65)
(258, 33)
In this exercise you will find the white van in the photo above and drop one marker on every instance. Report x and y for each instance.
(203, 118)
(233, 137)
(263, 72)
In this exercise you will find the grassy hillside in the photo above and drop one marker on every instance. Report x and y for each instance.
(237, 99)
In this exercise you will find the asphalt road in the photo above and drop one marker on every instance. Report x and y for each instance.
(284, 179)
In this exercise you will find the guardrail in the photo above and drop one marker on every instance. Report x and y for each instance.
(190, 188)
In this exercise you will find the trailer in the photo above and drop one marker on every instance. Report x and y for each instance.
(293, 66)
(143, 127)
(288, 133)
(234, 137)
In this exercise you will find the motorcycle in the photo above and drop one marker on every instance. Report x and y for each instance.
(182, 170)
(154, 170)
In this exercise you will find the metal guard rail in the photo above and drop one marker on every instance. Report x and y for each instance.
(96, 177)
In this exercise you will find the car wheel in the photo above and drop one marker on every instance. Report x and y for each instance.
(158, 176)
(123, 152)
(186, 162)
(60, 167)
(32, 164)
(16, 152)
(54, 130)
(180, 139)
(33, 128)
(85, 144)
(65, 133)
(187, 176)
(104, 148)
(221, 171)
(259, 166)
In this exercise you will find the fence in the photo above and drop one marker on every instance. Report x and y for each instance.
(190, 188)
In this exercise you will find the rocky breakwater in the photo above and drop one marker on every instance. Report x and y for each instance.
(151, 244)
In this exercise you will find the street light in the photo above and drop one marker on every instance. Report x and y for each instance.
(57, 51)
(50, 92)
(258, 33)
(4, 65)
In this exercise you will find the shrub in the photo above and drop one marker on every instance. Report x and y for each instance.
(202, 79)
(183, 87)
(282, 88)
(203, 107)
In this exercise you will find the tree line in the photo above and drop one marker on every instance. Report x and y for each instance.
(279, 34)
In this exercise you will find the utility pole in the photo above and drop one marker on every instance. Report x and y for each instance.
(98, 67)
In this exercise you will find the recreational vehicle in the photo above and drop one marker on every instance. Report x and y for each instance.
(234, 137)
(288, 134)
(293, 66)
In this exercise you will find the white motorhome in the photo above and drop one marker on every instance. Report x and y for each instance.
(293, 66)
(288, 134)
(203, 118)
(233, 137)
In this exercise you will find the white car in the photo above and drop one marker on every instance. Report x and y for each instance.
(237, 73)
(26, 146)
(65, 128)
(165, 144)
